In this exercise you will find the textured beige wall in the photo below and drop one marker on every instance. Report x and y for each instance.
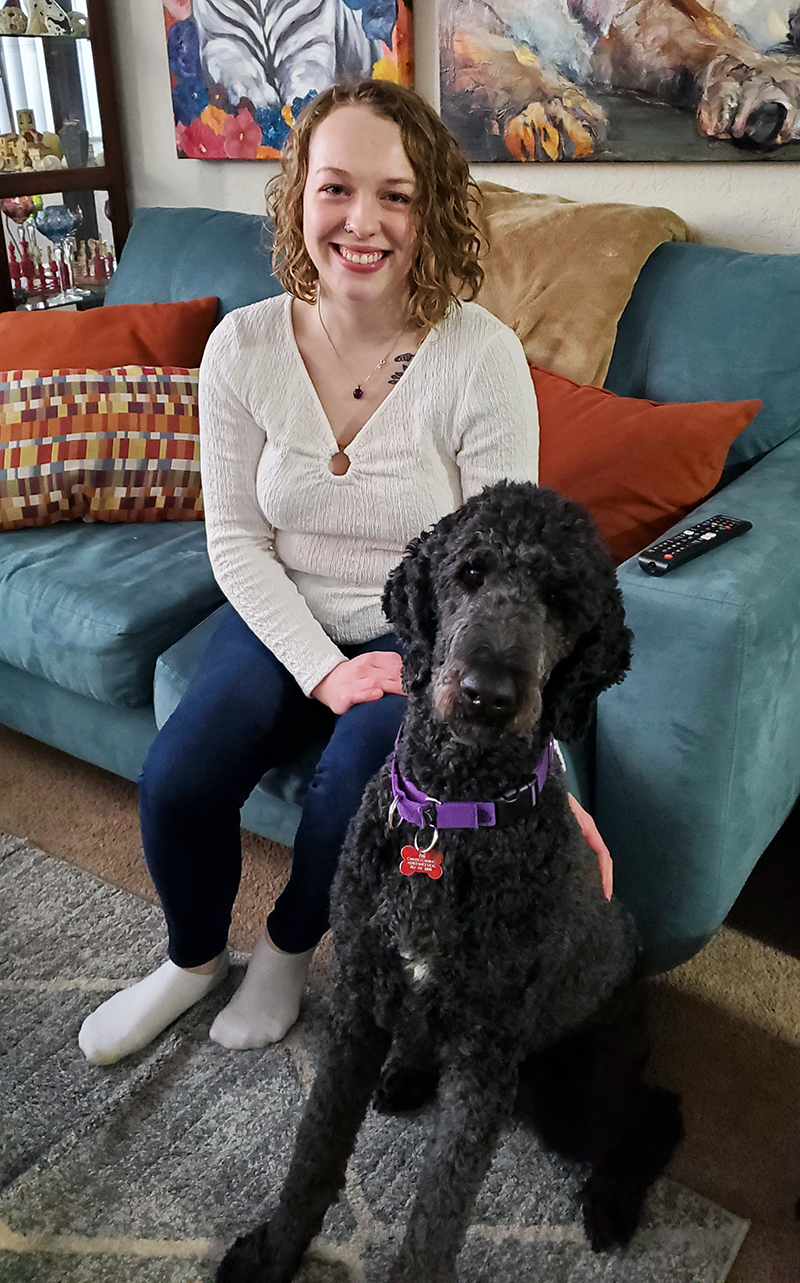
(753, 206)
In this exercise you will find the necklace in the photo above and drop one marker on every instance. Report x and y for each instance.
(358, 390)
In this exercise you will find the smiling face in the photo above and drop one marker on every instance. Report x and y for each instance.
(358, 207)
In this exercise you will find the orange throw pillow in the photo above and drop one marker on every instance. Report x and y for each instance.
(172, 334)
(638, 466)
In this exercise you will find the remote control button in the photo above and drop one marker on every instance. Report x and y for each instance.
(668, 556)
(710, 535)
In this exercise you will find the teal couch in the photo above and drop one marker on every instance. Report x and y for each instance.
(695, 762)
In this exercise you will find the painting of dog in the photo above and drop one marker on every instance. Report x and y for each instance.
(578, 80)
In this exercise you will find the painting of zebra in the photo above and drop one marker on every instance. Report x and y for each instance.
(241, 70)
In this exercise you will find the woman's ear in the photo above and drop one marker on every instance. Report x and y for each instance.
(409, 604)
(600, 658)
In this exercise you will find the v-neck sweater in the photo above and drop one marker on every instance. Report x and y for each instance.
(302, 554)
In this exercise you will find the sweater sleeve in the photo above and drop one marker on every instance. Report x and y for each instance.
(240, 540)
(497, 435)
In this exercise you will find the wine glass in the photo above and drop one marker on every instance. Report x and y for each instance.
(18, 210)
(57, 223)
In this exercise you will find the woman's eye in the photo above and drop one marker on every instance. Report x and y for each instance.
(398, 198)
(333, 189)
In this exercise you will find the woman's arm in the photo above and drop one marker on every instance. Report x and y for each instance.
(498, 421)
(240, 540)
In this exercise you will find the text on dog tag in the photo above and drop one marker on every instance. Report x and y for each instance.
(414, 861)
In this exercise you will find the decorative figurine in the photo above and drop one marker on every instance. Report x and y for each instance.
(46, 18)
(13, 266)
(79, 23)
(26, 122)
(13, 153)
(13, 22)
(80, 272)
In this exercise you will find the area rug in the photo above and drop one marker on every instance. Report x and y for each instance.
(144, 1170)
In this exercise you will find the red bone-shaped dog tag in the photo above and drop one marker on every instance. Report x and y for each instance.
(414, 861)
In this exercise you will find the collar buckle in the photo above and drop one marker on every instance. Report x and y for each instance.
(517, 806)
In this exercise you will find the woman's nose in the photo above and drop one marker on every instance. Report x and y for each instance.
(363, 217)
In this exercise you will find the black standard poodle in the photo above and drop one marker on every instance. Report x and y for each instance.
(476, 954)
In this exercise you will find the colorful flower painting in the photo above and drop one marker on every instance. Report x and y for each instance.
(241, 70)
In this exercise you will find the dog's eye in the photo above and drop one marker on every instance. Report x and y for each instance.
(472, 576)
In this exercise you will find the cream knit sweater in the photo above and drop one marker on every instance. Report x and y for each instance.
(302, 554)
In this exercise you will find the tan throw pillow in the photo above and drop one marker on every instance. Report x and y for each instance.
(560, 272)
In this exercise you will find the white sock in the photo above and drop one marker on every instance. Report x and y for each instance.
(267, 1003)
(135, 1016)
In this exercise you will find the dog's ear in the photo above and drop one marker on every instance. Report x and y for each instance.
(600, 659)
(409, 604)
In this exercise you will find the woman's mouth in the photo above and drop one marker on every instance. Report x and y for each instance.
(361, 257)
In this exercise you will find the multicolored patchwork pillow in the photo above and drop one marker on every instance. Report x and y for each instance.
(105, 445)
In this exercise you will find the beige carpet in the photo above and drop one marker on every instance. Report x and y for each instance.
(726, 1026)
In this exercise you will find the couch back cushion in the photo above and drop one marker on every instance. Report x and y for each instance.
(144, 333)
(91, 607)
(710, 324)
(173, 254)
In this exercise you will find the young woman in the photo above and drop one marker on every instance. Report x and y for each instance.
(337, 421)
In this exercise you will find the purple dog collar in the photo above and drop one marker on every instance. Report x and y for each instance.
(428, 812)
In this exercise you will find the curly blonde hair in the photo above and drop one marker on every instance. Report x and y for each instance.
(445, 266)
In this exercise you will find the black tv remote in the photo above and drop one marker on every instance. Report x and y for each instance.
(678, 549)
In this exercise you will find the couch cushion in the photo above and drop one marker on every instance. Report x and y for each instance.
(107, 445)
(141, 334)
(711, 324)
(91, 607)
(174, 254)
(560, 272)
(638, 466)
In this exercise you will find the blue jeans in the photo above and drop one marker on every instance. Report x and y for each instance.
(242, 715)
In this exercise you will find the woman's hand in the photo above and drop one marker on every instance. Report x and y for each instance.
(590, 832)
(359, 680)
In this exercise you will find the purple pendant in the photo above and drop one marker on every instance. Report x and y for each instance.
(358, 393)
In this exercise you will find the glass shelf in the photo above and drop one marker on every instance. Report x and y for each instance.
(5, 36)
(46, 82)
(59, 249)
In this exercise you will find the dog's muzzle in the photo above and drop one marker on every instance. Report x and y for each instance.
(490, 695)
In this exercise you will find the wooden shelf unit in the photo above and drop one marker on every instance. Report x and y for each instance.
(109, 177)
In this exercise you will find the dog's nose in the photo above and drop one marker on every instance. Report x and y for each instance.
(763, 126)
(493, 695)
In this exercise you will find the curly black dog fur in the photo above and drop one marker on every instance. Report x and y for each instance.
(511, 978)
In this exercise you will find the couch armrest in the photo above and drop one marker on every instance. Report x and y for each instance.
(698, 751)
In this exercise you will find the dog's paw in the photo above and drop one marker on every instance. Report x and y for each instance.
(611, 1210)
(245, 1261)
(750, 101)
(402, 1090)
(566, 127)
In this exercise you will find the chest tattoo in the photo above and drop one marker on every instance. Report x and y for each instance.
(402, 361)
